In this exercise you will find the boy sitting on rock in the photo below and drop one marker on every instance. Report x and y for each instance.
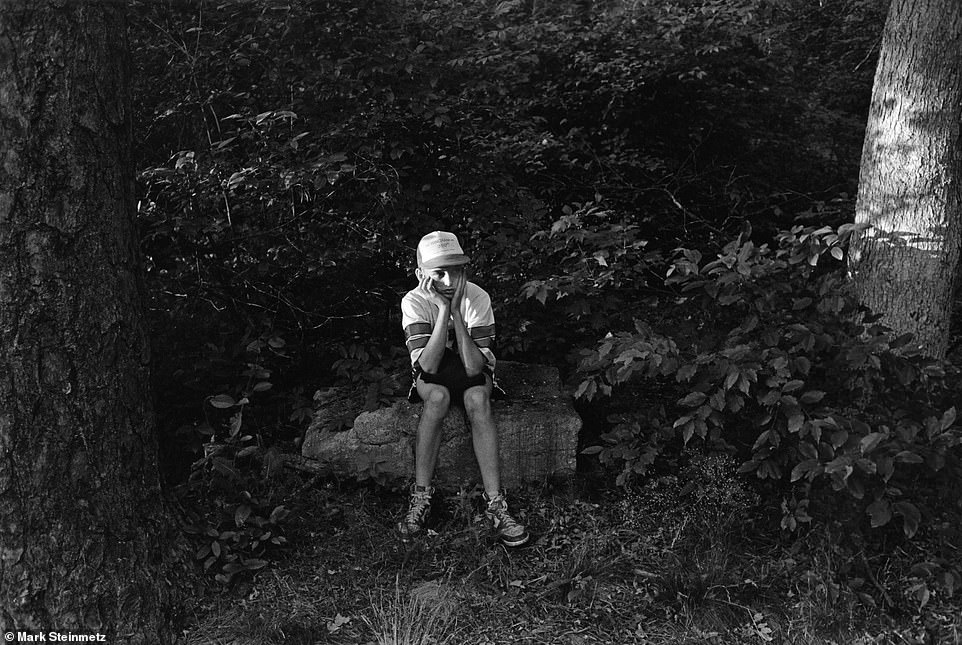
(449, 330)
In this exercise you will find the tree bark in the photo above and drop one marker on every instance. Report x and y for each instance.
(83, 529)
(904, 266)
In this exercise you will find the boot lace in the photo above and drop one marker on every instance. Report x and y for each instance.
(498, 509)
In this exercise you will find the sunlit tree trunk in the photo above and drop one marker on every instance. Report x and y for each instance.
(909, 187)
(82, 524)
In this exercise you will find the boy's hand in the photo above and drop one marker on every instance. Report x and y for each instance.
(426, 287)
(458, 295)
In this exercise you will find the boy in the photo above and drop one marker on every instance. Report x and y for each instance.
(449, 331)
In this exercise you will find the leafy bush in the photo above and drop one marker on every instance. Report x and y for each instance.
(238, 526)
(290, 154)
(776, 363)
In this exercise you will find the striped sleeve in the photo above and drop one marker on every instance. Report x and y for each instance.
(479, 318)
(417, 325)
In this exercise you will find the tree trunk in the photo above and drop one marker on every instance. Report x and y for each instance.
(82, 525)
(909, 186)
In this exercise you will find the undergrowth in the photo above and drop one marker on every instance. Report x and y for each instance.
(657, 565)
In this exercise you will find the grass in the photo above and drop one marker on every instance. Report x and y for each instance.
(424, 615)
(600, 570)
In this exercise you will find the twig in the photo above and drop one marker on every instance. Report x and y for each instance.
(874, 581)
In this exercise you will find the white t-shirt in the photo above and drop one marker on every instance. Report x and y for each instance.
(419, 315)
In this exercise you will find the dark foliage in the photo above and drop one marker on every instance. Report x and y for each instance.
(293, 153)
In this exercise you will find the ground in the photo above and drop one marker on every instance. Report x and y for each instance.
(647, 567)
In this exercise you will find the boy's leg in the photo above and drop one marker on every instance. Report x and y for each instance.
(437, 401)
(477, 403)
(484, 434)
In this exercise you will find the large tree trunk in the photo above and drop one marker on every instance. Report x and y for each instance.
(82, 523)
(909, 187)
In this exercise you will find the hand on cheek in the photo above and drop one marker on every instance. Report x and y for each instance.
(427, 288)
(458, 297)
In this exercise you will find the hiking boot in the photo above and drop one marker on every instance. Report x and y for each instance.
(508, 530)
(412, 525)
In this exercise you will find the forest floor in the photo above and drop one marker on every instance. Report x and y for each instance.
(602, 567)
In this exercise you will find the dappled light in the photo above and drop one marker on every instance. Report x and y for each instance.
(904, 264)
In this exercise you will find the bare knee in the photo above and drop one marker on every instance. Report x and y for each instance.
(477, 401)
(437, 400)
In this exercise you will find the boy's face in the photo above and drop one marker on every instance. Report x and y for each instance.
(443, 279)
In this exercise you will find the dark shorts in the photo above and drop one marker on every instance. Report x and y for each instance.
(451, 374)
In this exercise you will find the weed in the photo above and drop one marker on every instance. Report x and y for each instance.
(701, 503)
(426, 615)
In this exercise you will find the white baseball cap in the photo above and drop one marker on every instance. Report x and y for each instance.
(440, 249)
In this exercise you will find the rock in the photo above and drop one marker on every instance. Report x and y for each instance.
(537, 431)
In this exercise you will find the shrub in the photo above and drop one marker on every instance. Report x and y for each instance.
(775, 362)
(238, 524)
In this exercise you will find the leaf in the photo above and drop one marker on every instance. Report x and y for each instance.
(685, 372)
(870, 441)
(880, 512)
(908, 457)
(885, 467)
(338, 622)
(923, 595)
(803, 365)
(236, 180)
(263, 386)
(803, 467)
(761, 441)
(795, 422)
(241, 514)
(233, 568)
(792, 385)
(807, 450)
(236, 420)
(222, 401)
(591, 450)
(910, 517)
(837, 252)
(680, 421)
(838, 438)
(923, 569)
(587, 389)
(542, 294)
(693, 400)
(278, 514)
(902, 340)
(731, 379)
(948, 418)
(812, 396)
